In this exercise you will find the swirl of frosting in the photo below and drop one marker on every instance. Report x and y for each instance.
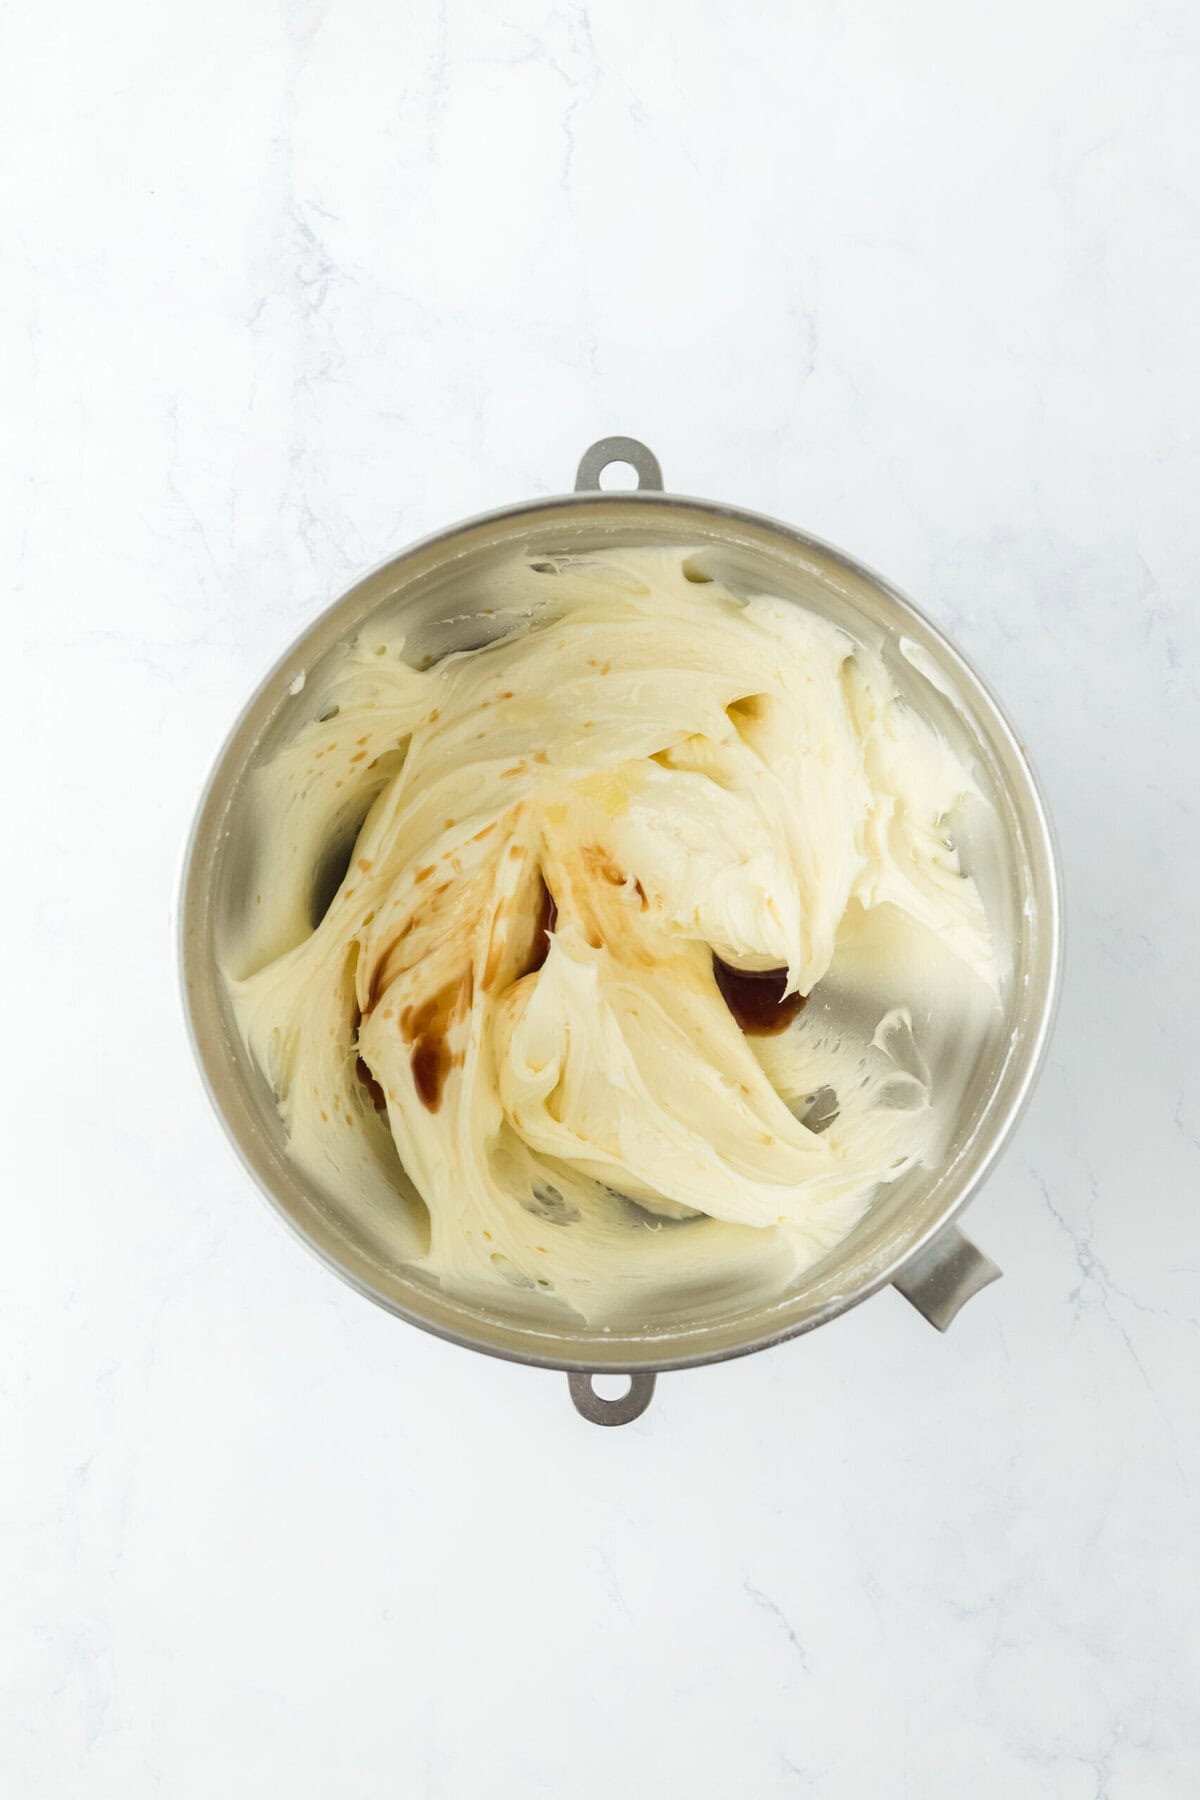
(553, 1029)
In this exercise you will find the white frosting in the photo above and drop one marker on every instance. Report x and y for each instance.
(686, 773)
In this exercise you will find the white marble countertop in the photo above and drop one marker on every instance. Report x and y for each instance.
(290, 283)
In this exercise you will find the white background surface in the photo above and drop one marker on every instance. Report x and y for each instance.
(288, 284)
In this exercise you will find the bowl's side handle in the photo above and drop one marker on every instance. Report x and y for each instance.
(599, 1411)
(945, 1276)
(598, 456)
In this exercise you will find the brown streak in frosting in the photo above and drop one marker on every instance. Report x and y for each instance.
(547, 919)
(599, 862)
(756, 998)
(425, 1028)
(430, 1067)
(362, 1070)
(378, 1097)
(519, 941)
(383, 972)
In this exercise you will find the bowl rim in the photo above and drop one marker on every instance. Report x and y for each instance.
(616, 1352)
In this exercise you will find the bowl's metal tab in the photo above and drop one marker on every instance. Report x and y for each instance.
(622, 1409)
(945, 1276)
(606, 451)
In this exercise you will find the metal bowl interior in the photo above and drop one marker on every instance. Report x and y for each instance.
(439, 590)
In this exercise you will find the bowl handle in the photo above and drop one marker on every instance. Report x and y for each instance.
(599, 1411)
(945, 1275)
(597, 457)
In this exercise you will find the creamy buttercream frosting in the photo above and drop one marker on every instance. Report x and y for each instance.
(641, 903)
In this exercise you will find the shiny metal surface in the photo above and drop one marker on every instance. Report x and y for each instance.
(606, 451)
(945, 1276)
(621, 1410)
(438, 588)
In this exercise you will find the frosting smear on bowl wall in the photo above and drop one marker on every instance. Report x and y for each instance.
(651, 930)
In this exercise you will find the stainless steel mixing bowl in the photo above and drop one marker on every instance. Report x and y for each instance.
(439, 589)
